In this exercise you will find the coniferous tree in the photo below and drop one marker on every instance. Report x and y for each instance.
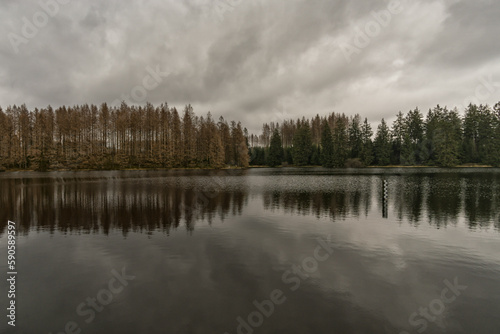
(316, 155)
(288, 155)
(367, 149)
(398, 135)
(471, 134)
(239, 145)
(447, 137)
(257, 156)
(327, 146)
(431, 128)
(414, 138)
(275, 157)
(355, 137)
(225, 134)
(302, 145)
(177, 138)
(340, 141)
(495, 156)
(316, 131)
(486, 137)
(6, 139)
(382, 145)
(189, 137)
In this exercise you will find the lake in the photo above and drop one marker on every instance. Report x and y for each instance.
(295, 250)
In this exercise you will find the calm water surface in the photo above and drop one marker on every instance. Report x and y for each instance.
(204, 251)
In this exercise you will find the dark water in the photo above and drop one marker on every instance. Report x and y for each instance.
(268, 251)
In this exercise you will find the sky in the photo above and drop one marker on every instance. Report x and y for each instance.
(256, 61)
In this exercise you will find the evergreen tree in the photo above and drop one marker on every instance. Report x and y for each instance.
(225, 134)
(189, 137)
(288, 155)
(340, 141)
(355, 138)
(239, 144)
(471, 134)
(382, 145)
(258, 156)
(302, 145)
(414, 138)
(316, 155)
(367, 149)
(447, 137)
(275, 150)
(398, 135)
(431, 127)
(177, 138)
(486, 138)
(495, 156)
(327, 146)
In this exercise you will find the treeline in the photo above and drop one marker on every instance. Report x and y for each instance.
(443, 138)
(103, 137)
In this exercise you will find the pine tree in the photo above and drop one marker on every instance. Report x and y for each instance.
(225, 134)
(486, 137)
(471, 134)
(316, 155)
(340, 141)
(189, 137)
(495, 156)
(398, 134)
(414, 137)
(176, 140)
(302, 145)
(355, 138)
(24, 135)
(6, 129)
(275, 157)
(327, 146)
(431, 127)
(447, 137)
(367, 149)
(382, 145)
(239, 145)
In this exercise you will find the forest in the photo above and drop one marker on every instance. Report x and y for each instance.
(443, 138)
(104, 137)
(92, 137)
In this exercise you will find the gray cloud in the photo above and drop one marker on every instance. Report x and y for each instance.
(260, 61)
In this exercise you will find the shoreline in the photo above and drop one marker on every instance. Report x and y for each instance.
(240, 168)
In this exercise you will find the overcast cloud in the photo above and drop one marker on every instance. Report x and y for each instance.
(253, 60)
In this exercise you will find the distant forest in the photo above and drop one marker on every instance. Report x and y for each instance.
(92, 137)
(103, 137)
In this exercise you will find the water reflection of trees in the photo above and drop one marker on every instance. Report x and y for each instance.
(436, 199)
(442, 199)
(101, 206)
(482, 201)
(337, 204)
